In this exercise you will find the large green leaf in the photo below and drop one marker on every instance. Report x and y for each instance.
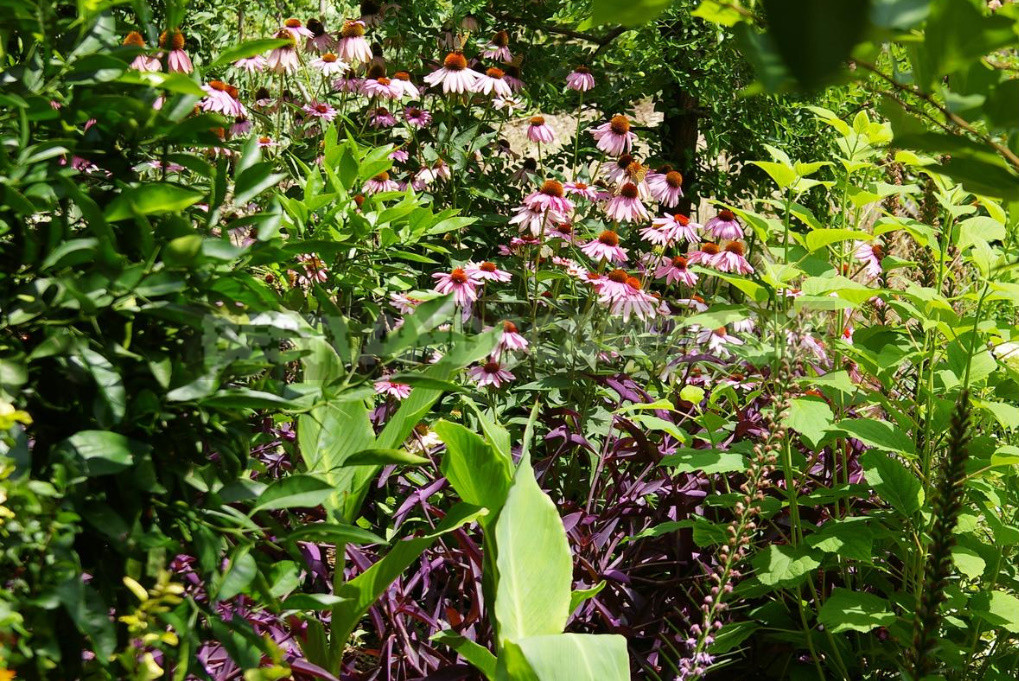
(293, 491)
(810, 417)
(628, 13)
(103, 452)
(329, 435)
(478, 656)
(783, 565)
(478, 472)
(893, 482)
(152, 199)
(846, 610)
(568, 657)
(533, 562)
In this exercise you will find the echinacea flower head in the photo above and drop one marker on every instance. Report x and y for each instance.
(353, 47)
(540, 131)
(626, 206)
(406, 87)
(498, 47)
(222, 98)
(511, 339)
(707, 255)
(381, 87)
(320, 110)
(674, 270)
(265, 142)
(459, 283)
(320, 39)
(513, 77)
(315, 269)
(400, 391)
(871, 255)
(615, 137)
(380, 183)
(581, 189)
(254, 64)
(678, 227)
(550, 196)
(380, 117)
(134, 39)
(731, 259)
(491, 82)
(667, 188)
(177, 61)
(535, 220)
(580, 79)
(284, 59)
(718, 340)
(623, 295)
(724, 226)
(417, 118)
(297, 29)
(142, 62)
(453, 76)
(487, 271)
(329, 64)
(490, 374)
(605, 247)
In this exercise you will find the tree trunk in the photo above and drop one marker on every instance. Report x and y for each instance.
(679, 140)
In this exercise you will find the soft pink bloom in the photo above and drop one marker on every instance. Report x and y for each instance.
(283, 59)
(314, 269)
(550, 197)
(241, 126)
(498, 48)
(382, 118)
(605, 247)
(265, 142)
(415, 117)
(379, 183)
(400, 391)
(491, 82)
(540, 131)
(510, 340)
(329, 64)
(296, 29)
(679, 227)
(381, 87)
(512, 77)
(580, 79)
(179, 62)
(143, 62)
(581, 189)
(871, 255)
(251, 64)
(320, 40)
(486, 271)
(348, 83)
(404, 303)
(320, 110)
(731, 259)
(219, 97)
(535, 220)
(507, 104)
(403, 84)
(614, 138)
(626, 206)
(399, 155)
(353, 47)
(491, 373)
(718, 340)
(724, 226)
(454, 76)
(706, 256)
(695, 303)
(459, 283)
(657, 234)
(675, 270)
(666, 188)
(623, 296)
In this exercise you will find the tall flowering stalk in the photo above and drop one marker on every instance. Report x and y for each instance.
(731, 554)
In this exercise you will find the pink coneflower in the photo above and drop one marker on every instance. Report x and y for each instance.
(222, 98)
(380, 117)
(177, 60)
(535, 220)
(353, 47)
(348, 82)
(399, 155)
(314, 269)
(417, 118)
(550, 197)
(142, 62)
(679, 227)
(459, 283)
(581, 189)
(620, 173)
(284, 59)
(498, 47)
(380, 87)
(605, 247)
(527, 168)
(329, 64)
(731, 259)
(405, 303)
(265, 142)
(491, 82)
(512, 77)
(626, 206)
(614, 138)
(724, 226)
(241, 126)
(507, 104)
(403, 83)
(380, 183)
(491, 373)
(564, 231)
(296, 29)
(250, 65)
(666, 188)
(510, 339)
(540, 131)
(486, 271)
(320, 110)
(320, 40)
(580, 79)
(695, 303)
(454, 76)
(623, 295)
(871, 256)
(707, 255)
(718, 340)
(400, 391)
(657, 234)
(675, 270)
